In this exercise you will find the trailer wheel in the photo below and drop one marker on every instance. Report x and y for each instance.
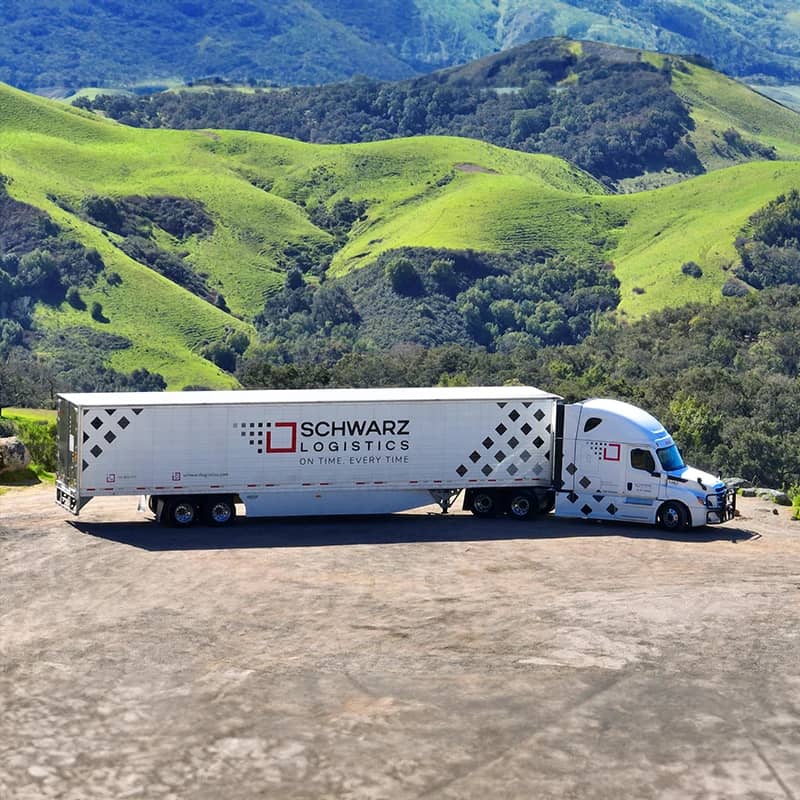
(219, 511)
(522, 505)
(484, 504)
(673, 516)
(180, 512)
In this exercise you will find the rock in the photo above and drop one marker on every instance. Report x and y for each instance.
(737, 483)
(781, 498)
(749, 492)
(13, 454)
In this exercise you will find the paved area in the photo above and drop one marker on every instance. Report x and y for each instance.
(411, 656)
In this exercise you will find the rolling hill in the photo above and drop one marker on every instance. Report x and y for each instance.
(263, 195)
(58, 44)
(633, 119)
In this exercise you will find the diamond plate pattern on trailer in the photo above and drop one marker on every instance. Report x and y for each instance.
(104, 430)
(510, 450)
(586, 509)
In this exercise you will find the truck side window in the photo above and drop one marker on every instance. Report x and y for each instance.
(591, 424)
(643, 459)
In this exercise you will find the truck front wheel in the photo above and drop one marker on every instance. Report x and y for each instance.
(673, 516)
(219, 511)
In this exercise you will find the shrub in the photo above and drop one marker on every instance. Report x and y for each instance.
(735, 288)
(403, 277)
(74, 298)
(794, 493)
(40, 439)
(693, 269)
(97, 312)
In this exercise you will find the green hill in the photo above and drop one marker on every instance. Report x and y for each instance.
(66, 44)
(633, 119)
(267, 198)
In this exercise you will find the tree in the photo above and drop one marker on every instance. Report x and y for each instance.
(403, 277)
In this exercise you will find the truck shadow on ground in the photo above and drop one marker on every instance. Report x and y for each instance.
(383, 530)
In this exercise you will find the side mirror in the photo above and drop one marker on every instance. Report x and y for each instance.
(656, 474)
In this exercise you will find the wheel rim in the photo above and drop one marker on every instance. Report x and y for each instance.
(482, 503)
(671, 517)
(184, 513)
(520, 506)
(220, 513)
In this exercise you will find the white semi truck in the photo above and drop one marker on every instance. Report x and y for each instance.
(511, 450)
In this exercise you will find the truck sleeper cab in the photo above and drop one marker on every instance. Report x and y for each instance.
(620, 463)
(511, 450)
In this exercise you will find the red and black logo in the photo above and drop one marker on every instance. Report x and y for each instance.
(281, 437)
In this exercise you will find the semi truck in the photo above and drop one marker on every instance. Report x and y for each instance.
(508, 450)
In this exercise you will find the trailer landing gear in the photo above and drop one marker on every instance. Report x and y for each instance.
(445, 497)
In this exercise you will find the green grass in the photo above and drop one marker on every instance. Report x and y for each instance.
(697, 220)
(35, 473)
(719, 103)
(28, 414)
(427, 191)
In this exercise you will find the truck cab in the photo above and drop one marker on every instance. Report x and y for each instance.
(620, 463)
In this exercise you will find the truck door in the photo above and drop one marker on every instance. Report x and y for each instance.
(642, 483)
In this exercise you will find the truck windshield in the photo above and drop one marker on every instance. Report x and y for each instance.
(670, 458)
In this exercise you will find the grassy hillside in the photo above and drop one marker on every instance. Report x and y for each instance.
(61, 43)
(633, 119)
(55, 157)
(697, 220)
(718, 103)
(260, 191)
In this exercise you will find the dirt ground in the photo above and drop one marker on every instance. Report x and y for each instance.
(411, 656)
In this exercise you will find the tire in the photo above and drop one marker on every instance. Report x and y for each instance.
(180, 512)
(484, 504)
(219, 511)
(522, 505)
(673, 517)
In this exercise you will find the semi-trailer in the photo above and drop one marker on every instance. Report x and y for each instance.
(513, 450)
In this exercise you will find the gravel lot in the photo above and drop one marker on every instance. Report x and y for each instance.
(397, 657)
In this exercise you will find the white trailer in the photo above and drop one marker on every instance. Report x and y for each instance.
(515, 450)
